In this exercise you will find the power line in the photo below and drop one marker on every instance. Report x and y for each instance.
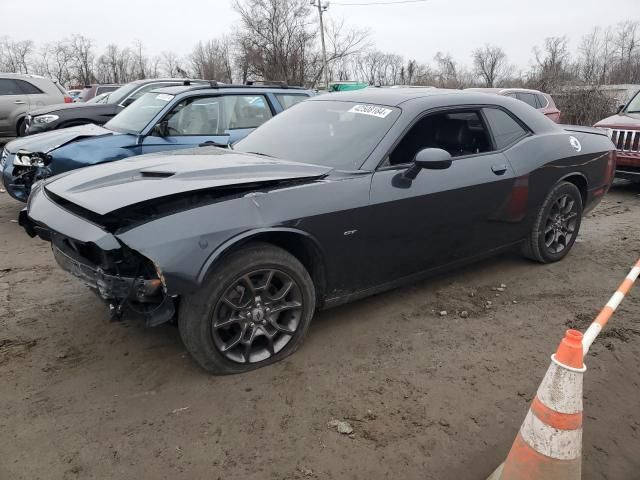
(366, 4)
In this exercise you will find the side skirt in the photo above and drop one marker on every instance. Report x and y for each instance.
(413, 278)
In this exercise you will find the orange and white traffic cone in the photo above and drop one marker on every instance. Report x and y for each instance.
(549, 444)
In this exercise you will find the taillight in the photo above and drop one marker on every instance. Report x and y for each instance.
(68, 99)
(611, 167)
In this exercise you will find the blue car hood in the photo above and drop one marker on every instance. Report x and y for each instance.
(46, 142)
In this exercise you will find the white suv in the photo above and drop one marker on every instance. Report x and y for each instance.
(20, 93)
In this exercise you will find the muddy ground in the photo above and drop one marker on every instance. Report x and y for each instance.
(428, 396)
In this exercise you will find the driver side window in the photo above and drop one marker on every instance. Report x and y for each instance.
(217, 115)
(458, 132)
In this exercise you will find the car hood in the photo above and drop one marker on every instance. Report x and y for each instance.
(59, 107)
(626, 120)
(45, 142)
(112, 186)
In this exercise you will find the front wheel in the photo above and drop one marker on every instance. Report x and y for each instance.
(252, 310)
(22, 128)
(556, 225)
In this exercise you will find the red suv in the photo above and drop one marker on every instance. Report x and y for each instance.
(624, 131)
(538, 100)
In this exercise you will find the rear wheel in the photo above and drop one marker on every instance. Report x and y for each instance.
(556, 225)
(254, 309)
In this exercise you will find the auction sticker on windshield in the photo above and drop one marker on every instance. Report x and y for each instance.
(164, 97)
(373, 110)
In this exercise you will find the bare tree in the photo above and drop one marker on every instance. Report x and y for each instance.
(140, 60)
(82, 59)
(15, 56)
(342, 44)
(170, 63)
(275, 38)
(55, 62)
(490, 64)
(552, 63)
(212, 60)
(627, 43)
(446, 71)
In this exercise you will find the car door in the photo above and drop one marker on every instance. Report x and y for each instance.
(198, 120)
(442, 215)
(14, 103)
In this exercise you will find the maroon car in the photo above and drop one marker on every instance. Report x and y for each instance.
(90, 91)
(624, 131)
(538, 100)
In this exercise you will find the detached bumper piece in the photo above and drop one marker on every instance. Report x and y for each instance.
(144, 296)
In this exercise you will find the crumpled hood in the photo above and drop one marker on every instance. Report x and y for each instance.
(109, 187)
(47, 141)
(626, 120)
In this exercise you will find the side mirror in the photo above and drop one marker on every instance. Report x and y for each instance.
(430, 159)
(161, 129)
(427, 158)
(620, 108)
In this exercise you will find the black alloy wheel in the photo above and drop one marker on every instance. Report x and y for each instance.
(560, 228)
(556, 225)
(253, 309)
(257, 316)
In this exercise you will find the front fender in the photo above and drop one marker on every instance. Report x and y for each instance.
(249, 235)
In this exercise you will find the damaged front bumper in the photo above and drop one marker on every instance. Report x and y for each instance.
(122, 279)
(18, 179)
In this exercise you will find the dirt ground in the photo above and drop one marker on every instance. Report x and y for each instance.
(429, 396)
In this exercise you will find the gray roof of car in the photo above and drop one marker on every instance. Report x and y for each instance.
(396, 96)
(202, 87)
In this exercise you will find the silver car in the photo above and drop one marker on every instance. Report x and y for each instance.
(20, 93)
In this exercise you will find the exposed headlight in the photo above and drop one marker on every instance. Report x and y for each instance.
(45, 118)
(27, 159)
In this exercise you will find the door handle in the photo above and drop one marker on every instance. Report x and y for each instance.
(19, 102)
(499, 169)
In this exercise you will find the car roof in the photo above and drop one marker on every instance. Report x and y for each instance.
(396, 96)
(217, 87)
(152, 80)
(22, 75)
(498, 91)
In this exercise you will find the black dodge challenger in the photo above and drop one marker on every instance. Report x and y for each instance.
(342, 196)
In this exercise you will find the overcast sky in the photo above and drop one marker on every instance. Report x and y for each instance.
(416, 30)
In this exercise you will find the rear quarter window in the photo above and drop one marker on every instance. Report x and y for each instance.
(28, 88)
(504, 128)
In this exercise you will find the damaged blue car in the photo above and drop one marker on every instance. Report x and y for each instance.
(167, 118)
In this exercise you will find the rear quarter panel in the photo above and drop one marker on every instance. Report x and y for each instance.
(541, 161)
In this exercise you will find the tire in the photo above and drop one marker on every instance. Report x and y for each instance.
(208, 323)
(22, 128)
(536, 246)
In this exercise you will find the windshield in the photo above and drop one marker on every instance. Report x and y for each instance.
(119, 94)
(102, 98)
(135, 117)
(337, 134)
(634, 104)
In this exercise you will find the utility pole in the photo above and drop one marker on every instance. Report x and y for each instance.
(322, 7)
